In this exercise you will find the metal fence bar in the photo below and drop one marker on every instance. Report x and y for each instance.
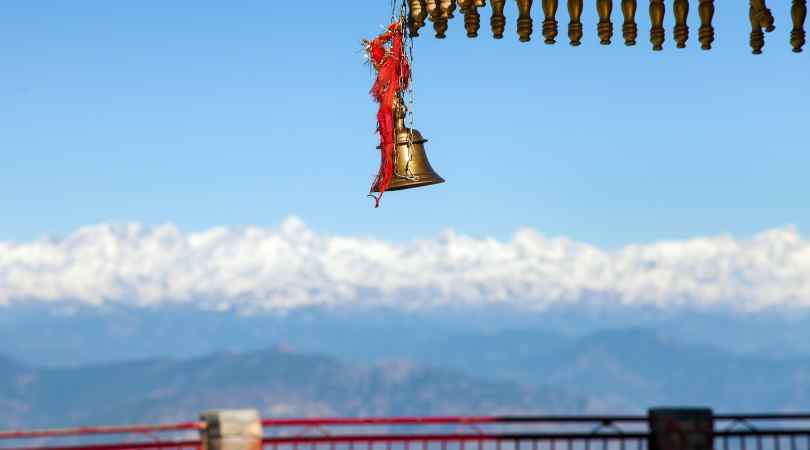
(447, 420)
(741, 417)
(763, 432)
(389, 438)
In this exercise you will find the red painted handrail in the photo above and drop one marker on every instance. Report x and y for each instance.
(339, 421)
(120, 446)
(85, 431)
(479, 434)
(446, 420)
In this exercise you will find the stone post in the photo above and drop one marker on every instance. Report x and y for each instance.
(681, 429)
(239, 429)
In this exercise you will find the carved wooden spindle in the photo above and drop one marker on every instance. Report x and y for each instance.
(763, 15)
(498, 20)
(657, 32)
(472, 19)
(550, 22)
(435, 16)
(798, 12)
(524, 23)
(431, 7)
(442, 14)
(417, 16)
(681, 33)
(447, 7)
(575, 25)
(757, 36)
(629, 29)
(706, 34)
(605, 27)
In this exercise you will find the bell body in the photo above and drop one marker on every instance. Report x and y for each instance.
(411, 166)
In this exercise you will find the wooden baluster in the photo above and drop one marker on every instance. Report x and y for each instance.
(430, 8)
(629, 29)
(435, 16)
(575, 25)
(440, 15)
(763, 15)
(524, 23)
(706, 34)
(605, 27)
(757, 36)
(798, 12)
(472, 19)
(417, 16)
(657, 33)
(550, 22)
(498, 20)
(681, 32)
(447, 7)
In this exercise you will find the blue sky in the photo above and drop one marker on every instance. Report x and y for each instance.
(206, 114)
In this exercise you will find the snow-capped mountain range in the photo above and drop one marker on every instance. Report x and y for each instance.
(252, 269)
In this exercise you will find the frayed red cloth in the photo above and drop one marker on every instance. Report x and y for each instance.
(393, 76)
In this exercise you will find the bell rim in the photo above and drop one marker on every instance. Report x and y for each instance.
(414, 184)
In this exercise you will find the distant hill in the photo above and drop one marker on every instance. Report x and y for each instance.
(67, 366)
(620, 371)
(276, 382)
(632, 369)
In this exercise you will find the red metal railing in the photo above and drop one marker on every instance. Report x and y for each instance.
(84, 431)
(451, 433)
(732, 432)
(133, 437)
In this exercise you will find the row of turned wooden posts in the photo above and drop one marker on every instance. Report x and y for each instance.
(441, 11)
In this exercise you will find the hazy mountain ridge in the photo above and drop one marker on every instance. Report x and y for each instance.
(617, 371)
(635, 368)
(276, 382)
(177, 361)
(45, 334)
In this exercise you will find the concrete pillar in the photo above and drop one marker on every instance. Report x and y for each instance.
(239, 429)
(681, 429)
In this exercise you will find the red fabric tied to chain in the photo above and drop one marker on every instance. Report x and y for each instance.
(393, 76)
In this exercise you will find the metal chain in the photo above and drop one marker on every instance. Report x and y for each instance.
(406, 37)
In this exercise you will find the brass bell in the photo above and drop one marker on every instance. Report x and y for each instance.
(411, 166)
